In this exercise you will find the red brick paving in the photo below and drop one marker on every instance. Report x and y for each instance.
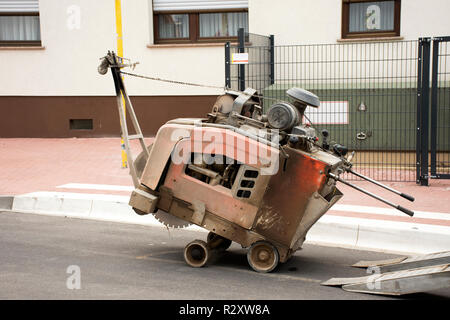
(29, 165)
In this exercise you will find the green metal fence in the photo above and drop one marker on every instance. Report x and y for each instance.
(368, 94)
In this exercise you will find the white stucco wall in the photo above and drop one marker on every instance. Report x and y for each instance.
(296, 22)
(67, 66)
(319, 21)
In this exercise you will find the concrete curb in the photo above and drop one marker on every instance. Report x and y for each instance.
(356, 233)
(102, 207)
(379, 235)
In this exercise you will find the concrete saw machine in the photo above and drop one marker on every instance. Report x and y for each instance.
(259, 179)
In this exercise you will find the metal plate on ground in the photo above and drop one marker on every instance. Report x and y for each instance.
(402, 263)
(400, 276)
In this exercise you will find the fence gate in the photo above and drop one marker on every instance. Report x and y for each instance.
(423, 107)
(433, 121)
(258, 73)
(440, 110)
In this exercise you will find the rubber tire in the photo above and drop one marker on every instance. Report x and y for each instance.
(189, 252)
(274, 255)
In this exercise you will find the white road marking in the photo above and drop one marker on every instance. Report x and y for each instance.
(389, 211)
(108, 187)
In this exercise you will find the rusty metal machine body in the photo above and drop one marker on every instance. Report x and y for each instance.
(234, 199)
(273, 195)
(260, 180)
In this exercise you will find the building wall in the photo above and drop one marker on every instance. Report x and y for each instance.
(50, 116)
(66, 65)
(319, 21)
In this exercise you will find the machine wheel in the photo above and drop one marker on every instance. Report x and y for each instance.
(218, 242)
(196, 253)
(263, 256)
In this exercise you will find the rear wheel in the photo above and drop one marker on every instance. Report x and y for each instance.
(263, 256)
(196, 253)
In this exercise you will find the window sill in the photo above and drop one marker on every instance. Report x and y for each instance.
(22, 47)
(188, 45)
(371, 39)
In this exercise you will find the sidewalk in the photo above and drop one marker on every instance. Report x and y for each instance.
(83, 178)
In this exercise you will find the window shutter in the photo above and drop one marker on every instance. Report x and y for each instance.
(183, 5)
(19, 6)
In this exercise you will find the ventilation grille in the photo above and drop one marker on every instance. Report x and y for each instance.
(247, 183)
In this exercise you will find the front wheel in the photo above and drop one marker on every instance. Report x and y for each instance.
(263, 256)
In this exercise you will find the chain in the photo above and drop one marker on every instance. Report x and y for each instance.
(194, 84)
(172, 81)
(201, 85)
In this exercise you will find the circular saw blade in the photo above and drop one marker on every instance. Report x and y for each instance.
(170, 220)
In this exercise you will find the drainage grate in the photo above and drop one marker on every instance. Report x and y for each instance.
(81, 124)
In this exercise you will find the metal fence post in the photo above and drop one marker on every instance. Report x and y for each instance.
(433, 128)
(272, 59)
(423, 107)
(241, 38)
(418, 118)
(227, 65)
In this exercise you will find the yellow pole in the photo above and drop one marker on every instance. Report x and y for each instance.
(120, 54)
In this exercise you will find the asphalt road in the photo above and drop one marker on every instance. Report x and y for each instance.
(41, 256)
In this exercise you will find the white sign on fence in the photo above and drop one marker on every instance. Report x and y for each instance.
(329, 112)
(239, 58)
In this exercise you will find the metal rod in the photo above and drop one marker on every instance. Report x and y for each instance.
(425, 109)
(272, 58)
(398, 207)
(227, 65)
(434, 105)
(118, 10)
(241, 39)
(418, 110)
(406, 196)
(123, 123)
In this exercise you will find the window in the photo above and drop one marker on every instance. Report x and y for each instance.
(198, 20)
(364, 18)
(19, 23)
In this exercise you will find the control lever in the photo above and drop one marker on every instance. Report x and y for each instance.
(398, 207)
